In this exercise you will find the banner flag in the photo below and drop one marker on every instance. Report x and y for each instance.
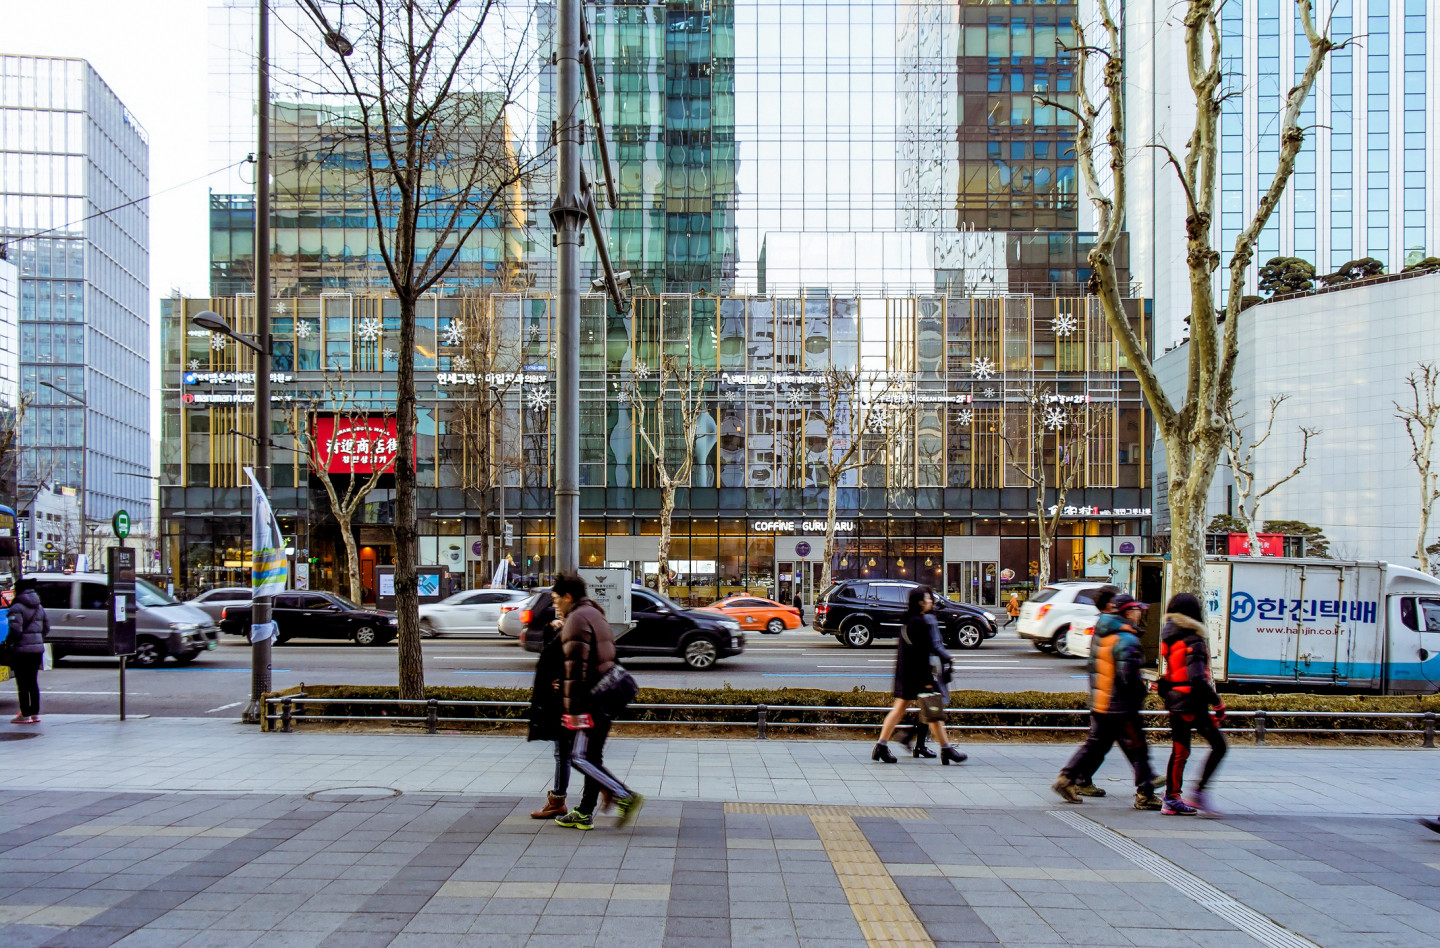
(268, 562)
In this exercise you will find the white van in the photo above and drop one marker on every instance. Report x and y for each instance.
(78, 603)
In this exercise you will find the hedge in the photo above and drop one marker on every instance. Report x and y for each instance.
(1284, 711)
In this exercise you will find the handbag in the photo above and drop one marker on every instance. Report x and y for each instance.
(614, 691)
(47, 659)
(932, 707)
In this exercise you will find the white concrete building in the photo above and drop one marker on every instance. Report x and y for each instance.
(1342, 356)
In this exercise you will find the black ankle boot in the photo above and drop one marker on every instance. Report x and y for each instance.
(882, 754)
(948, 754)
(920, 749)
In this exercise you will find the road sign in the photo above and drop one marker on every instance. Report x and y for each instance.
(121, 523)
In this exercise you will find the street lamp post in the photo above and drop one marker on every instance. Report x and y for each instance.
(84, 493)
(155, 523)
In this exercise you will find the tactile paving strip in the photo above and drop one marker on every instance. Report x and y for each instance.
(884, 916)
(797, 809)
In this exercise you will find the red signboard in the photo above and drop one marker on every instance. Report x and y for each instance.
(355, 445)
(1271, 544)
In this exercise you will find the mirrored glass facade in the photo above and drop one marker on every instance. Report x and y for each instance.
(72, 161)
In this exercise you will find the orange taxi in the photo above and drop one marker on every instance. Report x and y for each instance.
(756, 614)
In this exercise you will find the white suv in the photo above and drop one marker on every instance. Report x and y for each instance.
(1046, 619)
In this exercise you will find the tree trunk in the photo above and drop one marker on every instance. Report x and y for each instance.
(407, 594)
(1191, 468)
(667, 512)
(1042, 578)
(1252, 540)
(352, 556)
(826, 571)
(1421, 556)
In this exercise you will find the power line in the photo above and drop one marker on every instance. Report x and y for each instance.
(120, 207)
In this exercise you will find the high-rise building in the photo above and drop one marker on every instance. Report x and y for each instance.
(73, 174)
(10, 411)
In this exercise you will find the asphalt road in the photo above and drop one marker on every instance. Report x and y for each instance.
(219, 682)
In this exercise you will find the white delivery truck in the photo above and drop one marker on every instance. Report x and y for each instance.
(1310, 624)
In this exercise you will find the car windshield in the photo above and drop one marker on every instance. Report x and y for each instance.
(343, 601)
(718, 602)
(457, 599)
(152, 596)
(1045, 594)
(667, 601)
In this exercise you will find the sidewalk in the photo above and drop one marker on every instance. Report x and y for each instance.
(200, 832)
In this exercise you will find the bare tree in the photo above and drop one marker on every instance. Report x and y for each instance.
(1242, 466)
(1049, 452)
(429, 91)
(856, 407)
(348, 447)
(673, 454)
(1421, 417)
(1192, 430)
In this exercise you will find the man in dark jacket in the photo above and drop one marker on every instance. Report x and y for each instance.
(546, 701)
(25, 643)
(588, 645)
(1117, 695)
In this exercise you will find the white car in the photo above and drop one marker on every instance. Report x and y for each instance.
(1078, 640)
(1046, 619)
(472, 612)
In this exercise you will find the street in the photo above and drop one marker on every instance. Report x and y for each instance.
(219, 681)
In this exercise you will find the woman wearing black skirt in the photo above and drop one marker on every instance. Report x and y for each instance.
(913, 674)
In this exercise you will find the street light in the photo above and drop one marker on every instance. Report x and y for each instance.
(159, 537)
(84, 494)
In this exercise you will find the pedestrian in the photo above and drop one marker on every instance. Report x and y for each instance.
(1189, 693)
(1013, 608)
(919, 640)
(1085, 783)
(800, 607)
(588, 646)
(29, 626)
(1117, 694)
(546, 705)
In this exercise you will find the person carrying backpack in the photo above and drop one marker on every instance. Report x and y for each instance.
(29, 626)
(1189, 693)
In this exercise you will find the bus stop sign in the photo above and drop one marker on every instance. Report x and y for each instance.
(121, 523)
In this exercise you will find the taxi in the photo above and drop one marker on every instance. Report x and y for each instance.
(756, 614)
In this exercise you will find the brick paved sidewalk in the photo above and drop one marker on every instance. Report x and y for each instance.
(236, 840)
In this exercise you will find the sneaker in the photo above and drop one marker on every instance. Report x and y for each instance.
(1432, 825)
(1201, 802)
(1088, 789)
(629, 808)
(1146, 801)
(34, 719)
(1174, 806)
(20, 719)
(1066, 788)
(576, 820)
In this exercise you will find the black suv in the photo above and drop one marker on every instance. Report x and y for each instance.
(663, 627)
(315, 615)
(858, 611)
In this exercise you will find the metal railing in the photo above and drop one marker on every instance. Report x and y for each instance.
(764, 717)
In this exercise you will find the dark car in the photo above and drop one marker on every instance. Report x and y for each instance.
(663, 628)
(859, 611)
(316, 615)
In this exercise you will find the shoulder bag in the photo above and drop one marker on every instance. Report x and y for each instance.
(616, 688)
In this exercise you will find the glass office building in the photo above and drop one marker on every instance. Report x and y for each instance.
(1359, 188)
(73, 168)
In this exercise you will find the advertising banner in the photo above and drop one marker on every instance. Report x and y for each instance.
(355, 445)
(1271, 544)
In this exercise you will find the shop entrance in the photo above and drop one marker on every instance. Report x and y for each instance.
(973, 581)
(792, 576)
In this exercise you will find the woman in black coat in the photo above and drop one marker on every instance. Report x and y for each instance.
(546, 704)
(914, 676)
(25, 643)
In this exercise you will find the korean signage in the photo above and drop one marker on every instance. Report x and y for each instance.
(355, 445)
(1101, 512)
(232, 378)
(1271, 544)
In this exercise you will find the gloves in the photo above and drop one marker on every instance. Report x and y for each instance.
(1219, 713)
(576, 722)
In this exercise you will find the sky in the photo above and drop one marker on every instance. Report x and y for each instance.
(152, 53)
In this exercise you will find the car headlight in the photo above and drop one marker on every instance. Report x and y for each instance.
(184, 626)
(730, 624)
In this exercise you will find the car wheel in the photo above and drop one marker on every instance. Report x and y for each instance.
(858, 634)
(148, 653)
(365, 635)
(970, 636)
(1057, 641)
(185, 658)
(774, 627)
(701, 653)
(427, 629)
(1040, 646)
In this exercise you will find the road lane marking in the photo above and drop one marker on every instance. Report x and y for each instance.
(50, 691)
(224, 707)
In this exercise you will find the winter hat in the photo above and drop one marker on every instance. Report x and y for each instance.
(1186, 605)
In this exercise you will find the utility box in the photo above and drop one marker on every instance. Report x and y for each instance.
(432, 582)
(610, 590)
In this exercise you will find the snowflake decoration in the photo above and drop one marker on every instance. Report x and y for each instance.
(534, 332)
(453, 334)
(217, 341)
(795, 398)
(368, 330)
(194, 365)
(538, 399)
(461, 363)
(390, 355)
(988, 393)
(642, 371)
(878, 421)
(281, 308)
(1064, 324)
(1054, 419)
(304, 329)
(982, 368)
(965, 417)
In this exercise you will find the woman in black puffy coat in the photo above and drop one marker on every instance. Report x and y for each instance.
(25, 644)
(914, 676)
